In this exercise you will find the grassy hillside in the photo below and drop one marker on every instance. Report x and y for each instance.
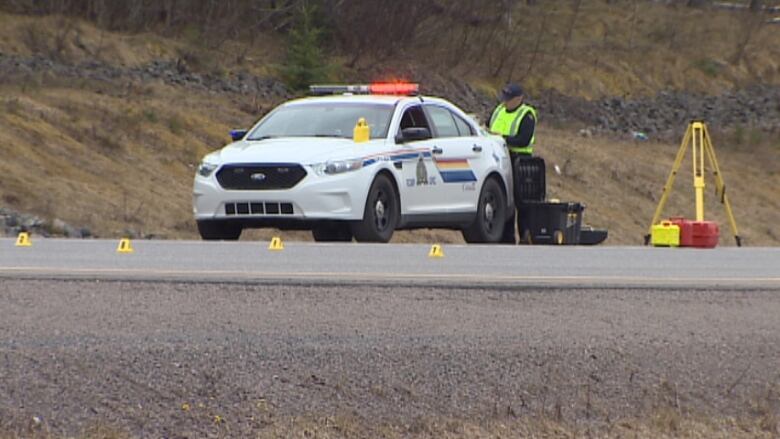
(118, 154)
(596, 48)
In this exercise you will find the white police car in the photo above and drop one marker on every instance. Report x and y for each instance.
(420, 163)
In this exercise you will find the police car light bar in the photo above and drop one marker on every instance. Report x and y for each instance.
(377, 88)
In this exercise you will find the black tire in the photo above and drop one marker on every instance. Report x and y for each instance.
(332, 232)
(212, 230)
(490, 223)
(381, 214)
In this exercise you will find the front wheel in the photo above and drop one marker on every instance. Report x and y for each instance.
(212, 230)
(381, 213)
(490, 223)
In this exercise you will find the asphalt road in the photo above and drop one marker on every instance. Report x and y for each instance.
(197, 339)
(398, 263)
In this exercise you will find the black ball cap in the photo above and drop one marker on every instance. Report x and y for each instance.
(511, 90)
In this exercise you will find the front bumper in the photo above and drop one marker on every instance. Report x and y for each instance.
(330, 197)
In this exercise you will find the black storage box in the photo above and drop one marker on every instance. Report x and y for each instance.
(530, 182)
(549, 223)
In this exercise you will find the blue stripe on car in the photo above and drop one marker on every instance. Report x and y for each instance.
(457, 176)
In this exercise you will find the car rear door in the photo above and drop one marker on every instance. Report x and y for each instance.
(456, 158)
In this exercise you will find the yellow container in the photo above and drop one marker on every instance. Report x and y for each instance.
(665, 234)
(361, 133)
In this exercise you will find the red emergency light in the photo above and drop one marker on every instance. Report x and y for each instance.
(394, 88)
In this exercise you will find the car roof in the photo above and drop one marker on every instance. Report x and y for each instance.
(362, 98)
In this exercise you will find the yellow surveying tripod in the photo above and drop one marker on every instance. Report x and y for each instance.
(699, 137)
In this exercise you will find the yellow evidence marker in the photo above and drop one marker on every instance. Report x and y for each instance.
(436, 251)
(276, 244)
(124, 246)
(23, 240)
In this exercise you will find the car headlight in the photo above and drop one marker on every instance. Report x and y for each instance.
(337, 166)
(206, 168)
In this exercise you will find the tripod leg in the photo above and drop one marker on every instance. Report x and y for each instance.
(669, 182)
(720, 187)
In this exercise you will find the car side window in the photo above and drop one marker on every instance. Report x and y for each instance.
(414, 117)
(443, 121)
(464, 128)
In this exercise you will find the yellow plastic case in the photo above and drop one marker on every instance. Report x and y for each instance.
(665, 234)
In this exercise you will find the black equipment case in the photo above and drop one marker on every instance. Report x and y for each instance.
(549, 223)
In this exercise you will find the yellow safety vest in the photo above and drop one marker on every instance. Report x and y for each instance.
(507, 124)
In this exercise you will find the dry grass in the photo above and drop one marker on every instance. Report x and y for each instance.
(77, 41)
(630, 49)
(114, 157)
(108, 160)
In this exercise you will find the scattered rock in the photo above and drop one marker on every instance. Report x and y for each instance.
(58, 225)
(586, 132)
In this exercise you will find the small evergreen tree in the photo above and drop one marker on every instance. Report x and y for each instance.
(305, 62)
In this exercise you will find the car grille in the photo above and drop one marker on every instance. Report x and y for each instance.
(258, 208)
(260, 177)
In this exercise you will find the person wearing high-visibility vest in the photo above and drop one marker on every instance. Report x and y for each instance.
(516, 122)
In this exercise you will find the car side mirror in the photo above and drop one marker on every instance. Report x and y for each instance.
(237, 135)
(413, 134)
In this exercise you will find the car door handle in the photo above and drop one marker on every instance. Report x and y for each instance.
(477, 148)
(437, 150)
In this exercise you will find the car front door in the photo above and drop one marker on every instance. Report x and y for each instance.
(414, 162)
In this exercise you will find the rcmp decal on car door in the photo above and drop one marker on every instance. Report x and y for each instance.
(415, 168)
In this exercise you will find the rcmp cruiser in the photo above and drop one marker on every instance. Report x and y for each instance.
(313, 164)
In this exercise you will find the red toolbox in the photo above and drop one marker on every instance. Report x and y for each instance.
(705, 234)
(686, 230)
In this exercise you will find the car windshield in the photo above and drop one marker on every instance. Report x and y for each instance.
(323, 120)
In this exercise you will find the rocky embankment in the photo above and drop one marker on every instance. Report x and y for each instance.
(663, 116)
(12, 223)
(666, 114)
(175, 73)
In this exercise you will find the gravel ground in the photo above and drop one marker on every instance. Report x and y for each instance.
(164, 359)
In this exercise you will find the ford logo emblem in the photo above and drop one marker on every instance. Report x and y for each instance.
(258, 176)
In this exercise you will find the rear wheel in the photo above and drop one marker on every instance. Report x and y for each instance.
(490, 224)
(381, 213)
(332, 232)
(211, 230)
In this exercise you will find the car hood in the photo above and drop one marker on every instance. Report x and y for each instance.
(304, 150)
